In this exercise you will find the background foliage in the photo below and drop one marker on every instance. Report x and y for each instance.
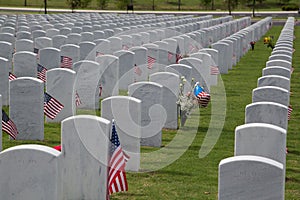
(160, 4)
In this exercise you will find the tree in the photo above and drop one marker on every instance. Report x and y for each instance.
(206, 3)
(73, 4)
(231, 4)
(122, 4)
(103, 4)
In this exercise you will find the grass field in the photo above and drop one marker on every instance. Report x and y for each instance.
(190, 177)
(148, 4)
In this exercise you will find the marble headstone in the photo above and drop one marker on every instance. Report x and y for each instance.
(250, 177)
(126, 111)
(170, 83)
(26, 101)
(25, 64)
(267, 112)
(85, 157)
(30, 172)
(109, 75)
(260, 139)
(4, 72)
(87, 83)
(153, 115)
(50, 58)
(271, 94)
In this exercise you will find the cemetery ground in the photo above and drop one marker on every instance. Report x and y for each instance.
(190, 177)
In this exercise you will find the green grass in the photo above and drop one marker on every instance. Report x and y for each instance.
(190, 177)
(192, 5)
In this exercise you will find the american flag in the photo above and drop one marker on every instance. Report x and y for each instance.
(191, 47)
(51, 106)
(8, 126)
(290, 109)
(66, 62)
(170, 55)
(137, 70)
(203, 98)
(117, 181)
(125, 47)
(77, 99)
(178, 54)
(41, 72)
(11, 76)
(99, 54)
(292, 69)
(151, 61)
(100, 90)
(214, 70)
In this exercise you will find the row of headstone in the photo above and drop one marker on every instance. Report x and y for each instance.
(257, 171)
(232, 48)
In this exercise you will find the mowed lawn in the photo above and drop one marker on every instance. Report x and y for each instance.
(191, 177)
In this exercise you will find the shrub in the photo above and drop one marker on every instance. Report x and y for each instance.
(290, 7)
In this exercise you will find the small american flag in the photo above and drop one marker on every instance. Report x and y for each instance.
(292, 69)
(100, 90)
(11, 76)
(51, 106)
(290, 109)
(178, 54)
(77, 99)
(99, 54)
(151, 61)
(191, 47)
(41, 72)
(66, 62)
(8, 126)
(117, 181)
(203, 98)
(170, 55)
(125, 47)
(137, 70)
(214, 70)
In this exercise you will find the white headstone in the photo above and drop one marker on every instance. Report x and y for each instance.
(276, 70)
(49, 58)
(26, 101)
(25, 64)
(250, 177)
(274, 80)
(170, 83)
(4, 72)
(152, 114)
(267, 112)
(30, 172)
(59, 85)
(87, 83)
(126, 111)
(260, 139)
(85, 157)
(109, 72)
(126, 68)
(271, 94)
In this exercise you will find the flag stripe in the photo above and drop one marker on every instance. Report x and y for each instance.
(77, 99)
(11, 76)
(116, 176)
(151, 61)
(214, 70)
(8, 126)
(66, 62)
(51, 106)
